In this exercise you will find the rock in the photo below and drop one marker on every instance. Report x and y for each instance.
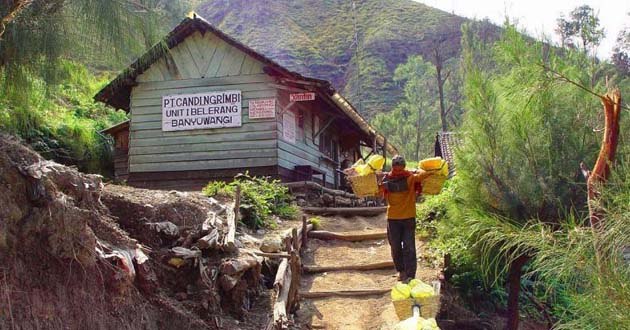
(249, 241)
(271, 244)
(165, 227)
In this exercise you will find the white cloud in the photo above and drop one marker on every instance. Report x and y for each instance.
(539, 17)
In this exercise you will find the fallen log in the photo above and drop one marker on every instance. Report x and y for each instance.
(232, 212)
(272, 255)
(280, 318)
(317, 186)
(289, 233)
(336, 200)
(294, 264)
(372, 266)
(346, 211)
(209, 241)
(238, 265)
(344, 293)
(327, 235)
(282, 269)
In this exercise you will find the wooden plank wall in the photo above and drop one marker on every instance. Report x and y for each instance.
(201, 63)
(121, 155)
(304, 151)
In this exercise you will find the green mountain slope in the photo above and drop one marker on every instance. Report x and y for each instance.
(317, 38)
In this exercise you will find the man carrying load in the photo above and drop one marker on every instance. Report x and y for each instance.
(400, 188)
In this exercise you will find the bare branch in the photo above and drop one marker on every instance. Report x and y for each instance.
(585, 171)
(18, 6)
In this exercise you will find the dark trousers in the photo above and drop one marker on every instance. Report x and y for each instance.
(402, 240)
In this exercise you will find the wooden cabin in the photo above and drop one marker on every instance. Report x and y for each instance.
(203, 106)
(120, 133)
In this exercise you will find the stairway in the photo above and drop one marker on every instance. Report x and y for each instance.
(346, 282)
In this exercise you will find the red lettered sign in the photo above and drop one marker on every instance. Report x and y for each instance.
(259, 109)
(299, 97)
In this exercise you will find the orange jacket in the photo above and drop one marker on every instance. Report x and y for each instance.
(402, 205)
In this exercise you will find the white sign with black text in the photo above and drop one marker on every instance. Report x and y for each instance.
(200, 111)
(288, 126)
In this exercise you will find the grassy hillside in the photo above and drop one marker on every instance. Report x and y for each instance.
(62, 122)
(317, 38)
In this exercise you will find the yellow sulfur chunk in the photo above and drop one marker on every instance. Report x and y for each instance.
(422, 290)
(176, 262)
(401, 291)
(431, 164)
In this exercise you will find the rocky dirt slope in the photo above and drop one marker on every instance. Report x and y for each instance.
(75, 254)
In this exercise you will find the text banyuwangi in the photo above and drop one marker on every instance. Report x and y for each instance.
(200, 111)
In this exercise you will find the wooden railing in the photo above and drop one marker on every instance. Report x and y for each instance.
(287, 281)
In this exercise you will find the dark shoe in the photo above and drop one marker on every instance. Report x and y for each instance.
(402, 277)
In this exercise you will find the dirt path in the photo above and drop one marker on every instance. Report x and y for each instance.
(352, 313)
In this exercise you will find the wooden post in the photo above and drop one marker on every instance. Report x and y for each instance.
(294, 239)
(237, 204)
(304, 232)
(385, 149)
(374, 145)
(232, 217)
(295, 282)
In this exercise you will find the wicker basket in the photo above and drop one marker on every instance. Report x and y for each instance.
(364, 185)
(432, 185)
(429, 307)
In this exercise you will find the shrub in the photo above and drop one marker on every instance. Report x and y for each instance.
(316, 221)
(260, 199)
(432, 210)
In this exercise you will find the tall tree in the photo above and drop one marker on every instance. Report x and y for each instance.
(412, 123)
(621, 51)
(36, 34)
(582, 29)
(526, 133)
(444, 66)
(416, 76)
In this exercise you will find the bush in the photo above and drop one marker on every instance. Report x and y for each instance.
(433, 209)
(260, 199)
(61, 122)
(218, 188)
(316, 221)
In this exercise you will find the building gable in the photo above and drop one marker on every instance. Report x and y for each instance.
(201, 55)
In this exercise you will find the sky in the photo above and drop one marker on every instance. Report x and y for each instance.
(539, 17)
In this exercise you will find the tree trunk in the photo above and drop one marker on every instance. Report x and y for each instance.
(514, 288)
(601, 170)
(440, 83)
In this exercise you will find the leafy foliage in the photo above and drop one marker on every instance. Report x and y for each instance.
(62, 122)
(519, 192)
(582, 26)
(46, 94)
(45, 32)
(260, 199)
(621, 51)
(416, 110)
